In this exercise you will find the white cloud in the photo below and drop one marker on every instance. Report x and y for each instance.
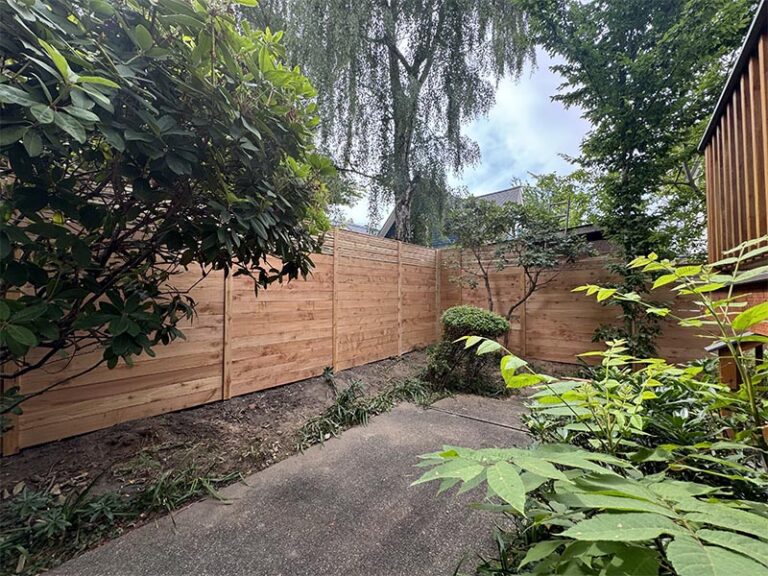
(524, 132)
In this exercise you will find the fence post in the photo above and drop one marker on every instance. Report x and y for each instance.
(399, 298)
(523, 323)
(226, 377)
(334, 300)
(10, 438)
(438, 282)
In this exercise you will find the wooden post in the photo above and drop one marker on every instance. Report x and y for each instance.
(523, 324)
(399, 298)
(10, 438)
(226, 379)
(438, 283)
(334, 303)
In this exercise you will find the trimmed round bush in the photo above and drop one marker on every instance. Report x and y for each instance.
(472, 321)
(454, 368)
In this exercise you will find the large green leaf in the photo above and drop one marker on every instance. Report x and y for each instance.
(750, 317)
(462, 469)
(633, 561)
(58, 59)
(11, 134)
(755, 549)
(20, 334)
(726, 517)
(692, 558)
(606, 502)
(539, 467)
(540, 550)
(70, 125)
(504, 480)
(42, 113)
(521, 380)
(623, 527)
(13, 95)
(143, 38)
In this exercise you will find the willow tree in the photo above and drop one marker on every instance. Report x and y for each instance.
(396, 80)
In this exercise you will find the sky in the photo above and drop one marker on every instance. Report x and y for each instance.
(524, 132)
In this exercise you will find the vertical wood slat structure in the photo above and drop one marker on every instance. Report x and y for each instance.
(735, 148)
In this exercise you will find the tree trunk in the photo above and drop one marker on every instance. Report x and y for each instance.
(403, 198)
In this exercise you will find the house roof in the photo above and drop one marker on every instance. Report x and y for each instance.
(361, 228)
(749, 47)
(500, 197)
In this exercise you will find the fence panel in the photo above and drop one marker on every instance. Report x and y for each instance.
(184, 374)
(367, 299)
(556, 324)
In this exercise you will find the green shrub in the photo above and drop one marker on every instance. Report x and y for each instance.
(132, 150)
(633, 472)
(472, 321)
(452, 367)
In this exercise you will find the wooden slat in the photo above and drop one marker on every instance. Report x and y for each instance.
(737, 160)
(226, 360)
(763, 98)
(335, 320)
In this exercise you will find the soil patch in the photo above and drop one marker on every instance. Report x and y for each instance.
(241, 435)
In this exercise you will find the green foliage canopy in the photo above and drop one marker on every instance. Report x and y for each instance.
(139, 138)
(397, 79)
(465, 320)
(646, 75)
(519, 235)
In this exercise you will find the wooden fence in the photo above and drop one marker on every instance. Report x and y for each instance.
(367, 299)
(735, 147)
(555, 323)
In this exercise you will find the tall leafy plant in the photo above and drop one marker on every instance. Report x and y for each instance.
(646, 74)
(625, 499)
(140, 138)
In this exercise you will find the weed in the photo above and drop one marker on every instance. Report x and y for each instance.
(39, 530)
(351, 407)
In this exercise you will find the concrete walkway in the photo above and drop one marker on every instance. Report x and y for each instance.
(342, 509)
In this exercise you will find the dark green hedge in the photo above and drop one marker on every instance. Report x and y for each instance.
(452, 367)
(472, 321)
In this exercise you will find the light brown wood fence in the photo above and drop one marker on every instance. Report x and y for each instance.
(735, 148)
(556, 324)
(367, 299)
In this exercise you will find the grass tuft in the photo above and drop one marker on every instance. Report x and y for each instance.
(351, 407)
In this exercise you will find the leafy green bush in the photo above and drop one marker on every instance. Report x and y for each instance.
(595, 515)
(450, 366)
(649, 482)
(465, 320)
(139, 138)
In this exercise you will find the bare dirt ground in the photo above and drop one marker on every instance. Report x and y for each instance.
(241, 435)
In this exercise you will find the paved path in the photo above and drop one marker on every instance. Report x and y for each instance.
(342, 509)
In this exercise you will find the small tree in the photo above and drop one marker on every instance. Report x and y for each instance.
(512, 235)
(570, 198)
(477, 226)
(139, 138)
